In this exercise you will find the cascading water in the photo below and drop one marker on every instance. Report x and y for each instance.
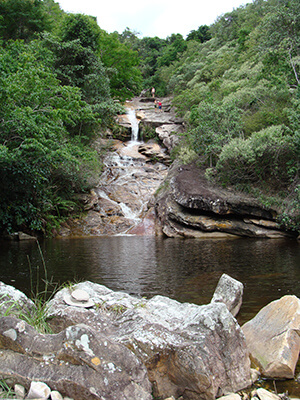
(134, 124)
(127, 185)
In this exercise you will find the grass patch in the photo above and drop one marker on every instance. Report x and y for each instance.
(35, 315)
(6, 392)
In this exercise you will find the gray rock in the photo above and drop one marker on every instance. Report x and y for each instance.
(25, 236)
(230, 396)
(55, 395)
(19, 391)
(13, 301)
(264, 394)
(186, 348)
(230, 292)
(168, 134)
(78, 362)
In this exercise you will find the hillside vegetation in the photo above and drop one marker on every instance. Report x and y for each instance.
(235, 83)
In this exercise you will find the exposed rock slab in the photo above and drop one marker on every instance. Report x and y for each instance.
(189, 205)
(79, 362)
(273, 338)
(189, 350)
(168, 134)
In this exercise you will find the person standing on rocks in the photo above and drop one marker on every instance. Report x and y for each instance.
(159, 105)
(153, 92)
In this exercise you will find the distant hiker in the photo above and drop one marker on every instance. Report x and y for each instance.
(153, 92)
(159, 105)
(155, 104)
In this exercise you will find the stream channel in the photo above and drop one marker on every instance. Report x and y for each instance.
(187, 270)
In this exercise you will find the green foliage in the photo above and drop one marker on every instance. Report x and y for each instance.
(202, 34)
(280, 34)
(22, 19)
(8, 392)
(236, 83)
(211, 127)
(267, 156)
(175, 46)
(185, 154)
(39, 161)
(122, 64)
(83, 28)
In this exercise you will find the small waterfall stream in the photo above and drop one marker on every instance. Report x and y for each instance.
(127, 185)
(134, 124)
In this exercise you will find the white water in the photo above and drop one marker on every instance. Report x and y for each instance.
(128, 183)
(134, 124)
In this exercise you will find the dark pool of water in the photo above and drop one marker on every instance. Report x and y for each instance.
(186, 270)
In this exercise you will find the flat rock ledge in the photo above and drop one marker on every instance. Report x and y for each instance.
(187, 205)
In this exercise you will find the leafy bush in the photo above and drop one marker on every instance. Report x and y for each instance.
(268, 156)
(211, 127)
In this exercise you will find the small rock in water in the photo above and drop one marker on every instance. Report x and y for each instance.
(38, 390)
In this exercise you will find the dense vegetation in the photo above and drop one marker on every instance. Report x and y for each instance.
(235, 83)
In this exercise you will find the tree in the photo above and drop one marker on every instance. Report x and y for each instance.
(175, 46)
(39, 160)
(202, 34)
(83, 28)
(122, 66)
(281, 34)
(211, 127)
(22, 19)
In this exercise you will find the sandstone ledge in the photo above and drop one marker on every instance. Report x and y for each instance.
(188, 205)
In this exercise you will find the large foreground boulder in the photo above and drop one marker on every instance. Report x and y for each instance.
(198, 352)
(273, 338)
(78, 362)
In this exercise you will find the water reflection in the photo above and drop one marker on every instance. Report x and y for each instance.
(186, 270)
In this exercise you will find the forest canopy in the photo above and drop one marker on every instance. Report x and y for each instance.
(63, 79)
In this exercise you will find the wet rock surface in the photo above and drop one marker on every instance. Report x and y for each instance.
(122, 202)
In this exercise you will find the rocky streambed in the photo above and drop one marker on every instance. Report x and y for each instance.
(111, 345)
(141, 192)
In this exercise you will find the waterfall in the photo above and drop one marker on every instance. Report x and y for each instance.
(134, 124)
